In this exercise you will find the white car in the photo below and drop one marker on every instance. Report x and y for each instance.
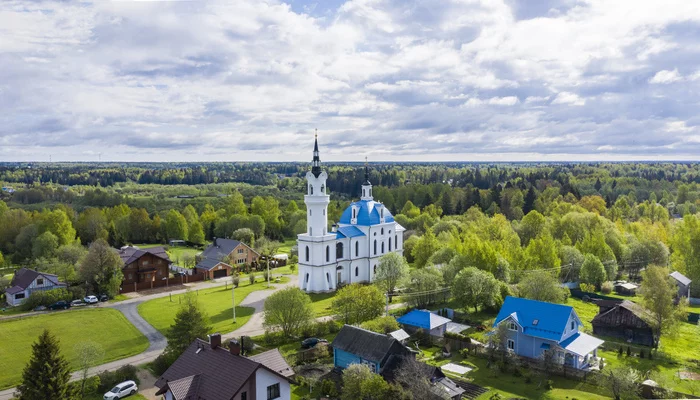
(91, 299)
(126, 388)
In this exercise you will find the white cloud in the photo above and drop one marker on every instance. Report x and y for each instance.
(666, 76)
(568, 98)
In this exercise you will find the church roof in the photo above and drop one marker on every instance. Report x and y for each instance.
(349, 232)
(367, 213)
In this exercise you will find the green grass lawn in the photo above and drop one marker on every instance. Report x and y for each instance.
(286, 270)
(321, 303)
(175, 253)
(216, 302)
(287, 245)
(105, 326)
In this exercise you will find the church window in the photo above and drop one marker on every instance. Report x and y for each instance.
(307, 278)
(363, 193)
(307, 253)
(311, 212)
(382, 231)
(389, 244)
(354, 213)
(357, 249)
(357, 271)
(375, 246)
(375, 269)
(328, 253)
(382, 215)
(382, 247)
(338, 250)
(323, 189)
(311, 188)
(396, 241)
(328, 277)
(324, 211)
(311, 231)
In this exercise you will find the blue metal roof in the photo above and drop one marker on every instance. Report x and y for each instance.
(349, 232)
(422, 319)
(367, 213)
(538, 318)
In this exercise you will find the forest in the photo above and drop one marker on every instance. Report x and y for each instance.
(502, 218)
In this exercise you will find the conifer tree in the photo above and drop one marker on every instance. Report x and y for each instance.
(190, 323)
(47, 374)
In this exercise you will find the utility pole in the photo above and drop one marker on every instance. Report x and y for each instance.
(268, 272)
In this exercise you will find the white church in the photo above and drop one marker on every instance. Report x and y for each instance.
(350, 252)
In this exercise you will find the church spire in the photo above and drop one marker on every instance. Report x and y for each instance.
(366, 173)
(366, 186)
(316, 163)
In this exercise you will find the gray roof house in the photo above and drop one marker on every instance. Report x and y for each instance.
(26, 281)
(683, 283)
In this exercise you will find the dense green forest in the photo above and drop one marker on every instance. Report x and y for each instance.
(504, 218)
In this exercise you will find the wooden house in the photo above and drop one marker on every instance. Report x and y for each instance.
(628, 321)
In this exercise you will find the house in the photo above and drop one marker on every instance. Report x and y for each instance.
(207, 371)
(25, 281)
(440, 385)
(535, 326)
(625, 288)
(683, 283)
(219, 259)
(625, 320)
(355, 345)
(144, 265)
(424, 319)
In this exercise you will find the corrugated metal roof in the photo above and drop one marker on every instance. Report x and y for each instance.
(581, 343)
(551, 318)
(399, 335)
(349, 232)
(680, 278)
(423, 319)
(368, 213)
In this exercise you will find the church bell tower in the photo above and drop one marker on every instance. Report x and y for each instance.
(316, 199)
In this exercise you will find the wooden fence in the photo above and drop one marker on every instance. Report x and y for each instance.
(179, 280)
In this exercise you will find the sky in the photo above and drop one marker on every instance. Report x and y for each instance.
(391, 80)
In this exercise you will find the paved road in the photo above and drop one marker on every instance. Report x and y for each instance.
(157, 341)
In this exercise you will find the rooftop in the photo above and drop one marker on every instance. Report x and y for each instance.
(537, 318)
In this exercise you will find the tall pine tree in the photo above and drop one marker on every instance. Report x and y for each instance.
(47, 374)
(190, 323)
(530, 198)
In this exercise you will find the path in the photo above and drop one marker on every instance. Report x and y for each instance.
(157, 341)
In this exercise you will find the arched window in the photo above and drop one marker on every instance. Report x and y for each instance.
(324, 211)
(311, 212)
(375, 246)
(382, 231)
(382, 247)
(307, 278)
(382, 215)
(375, 269)
(363, 193)
(357, 271)
(328, 253)
(307, 256)
(338, 250)
(389, 244)
(396, 241)
(328, 277)
(354, 213)
(311, 231)
(323, 189)
(311, 188)
(357, 249)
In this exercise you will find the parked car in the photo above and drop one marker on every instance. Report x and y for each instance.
(90, 299)
(77, 303)
(39, 308)
(104, 298)
(312, 342)
(126, 388)
(60, 305)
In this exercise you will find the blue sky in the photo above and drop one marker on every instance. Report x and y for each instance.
(388, 79)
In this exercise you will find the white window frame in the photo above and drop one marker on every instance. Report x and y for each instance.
(512, 326)
(511, 344)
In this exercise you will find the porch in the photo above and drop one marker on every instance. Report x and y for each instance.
(580, 351)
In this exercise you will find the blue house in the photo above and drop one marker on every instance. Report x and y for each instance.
(536, 326)
(424, 319)
(355, 345)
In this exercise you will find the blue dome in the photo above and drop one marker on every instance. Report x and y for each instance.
(367, 213)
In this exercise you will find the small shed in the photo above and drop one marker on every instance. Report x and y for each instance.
(626, 288)
(683, 283)
(433, 324)
(628, 321)
(400, 335)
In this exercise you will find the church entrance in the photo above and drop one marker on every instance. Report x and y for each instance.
(340, 274)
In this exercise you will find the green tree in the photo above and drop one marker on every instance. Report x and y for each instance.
(92, 225)
(623, 382)
(196, 232)
(288, 310)
(392, 270)
(45, 245)
(685, 246)
(191, 322)
(244, 235)
(592, 271)
(542, 286)
(235, 205)
(541, 253)
(58, 223)
(532, 225)
(383, 325)
(425, 287)
(359, 383)
(47, 374)
(658, 291)
(176, 225)
(354, 304)
(101, 268)
(476, 288)
(89, 354)
(424, 248)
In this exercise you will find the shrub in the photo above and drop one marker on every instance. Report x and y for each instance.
(384, 324)
(236, 280)
(328, 388)
(606, 287)
(629, 351)
(252, 277)
(292, 267)
(247, 344)
(46, 298)
(161, 364)
(109, 379)
(587, 287)
(333, 326)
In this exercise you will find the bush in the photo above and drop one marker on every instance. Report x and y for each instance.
(383, 325)
(109, 379)
(606, 287)
(266, 275)
(587, 287)
(45, 298)
(328, 388)
(162, 363)
(292, 267)
(247, 344)
(252, 277)
(236, 280)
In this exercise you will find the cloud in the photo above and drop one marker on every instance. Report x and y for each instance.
(391, 79)
(666, 76)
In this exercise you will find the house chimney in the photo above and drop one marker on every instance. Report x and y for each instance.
(234, 347)
(215, 340)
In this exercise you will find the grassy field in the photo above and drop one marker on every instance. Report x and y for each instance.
(175, 253)
(216, 302)
(321, 303)
(287, 245)
(105, 326)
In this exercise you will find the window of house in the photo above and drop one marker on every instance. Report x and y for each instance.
(339, 250)
(240, 261)
(512, 326)
(131, 276)
(511, 344)
(328, 278)
(307, 278)
(273, 391)
(307, 253)
(357, 271)
(573, 324)
(382, 247)
(375, 246)
(324, 211)
(311, 231)
(311, 188)
(357, 249)
(372, 366)
(145, 262)
(240, 251)
(311, 213)
(19, 296)
(389, 244)
(354, 213)
(244, 396)
(328, 253)
(40, 281)
(323, 189)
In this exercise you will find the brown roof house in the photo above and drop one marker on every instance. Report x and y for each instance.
(144, 266)
(25, 281)
(219, 259)
(626, 320)
(207, 371)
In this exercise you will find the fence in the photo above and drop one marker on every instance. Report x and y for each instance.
(580, 294)
(180, 280)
